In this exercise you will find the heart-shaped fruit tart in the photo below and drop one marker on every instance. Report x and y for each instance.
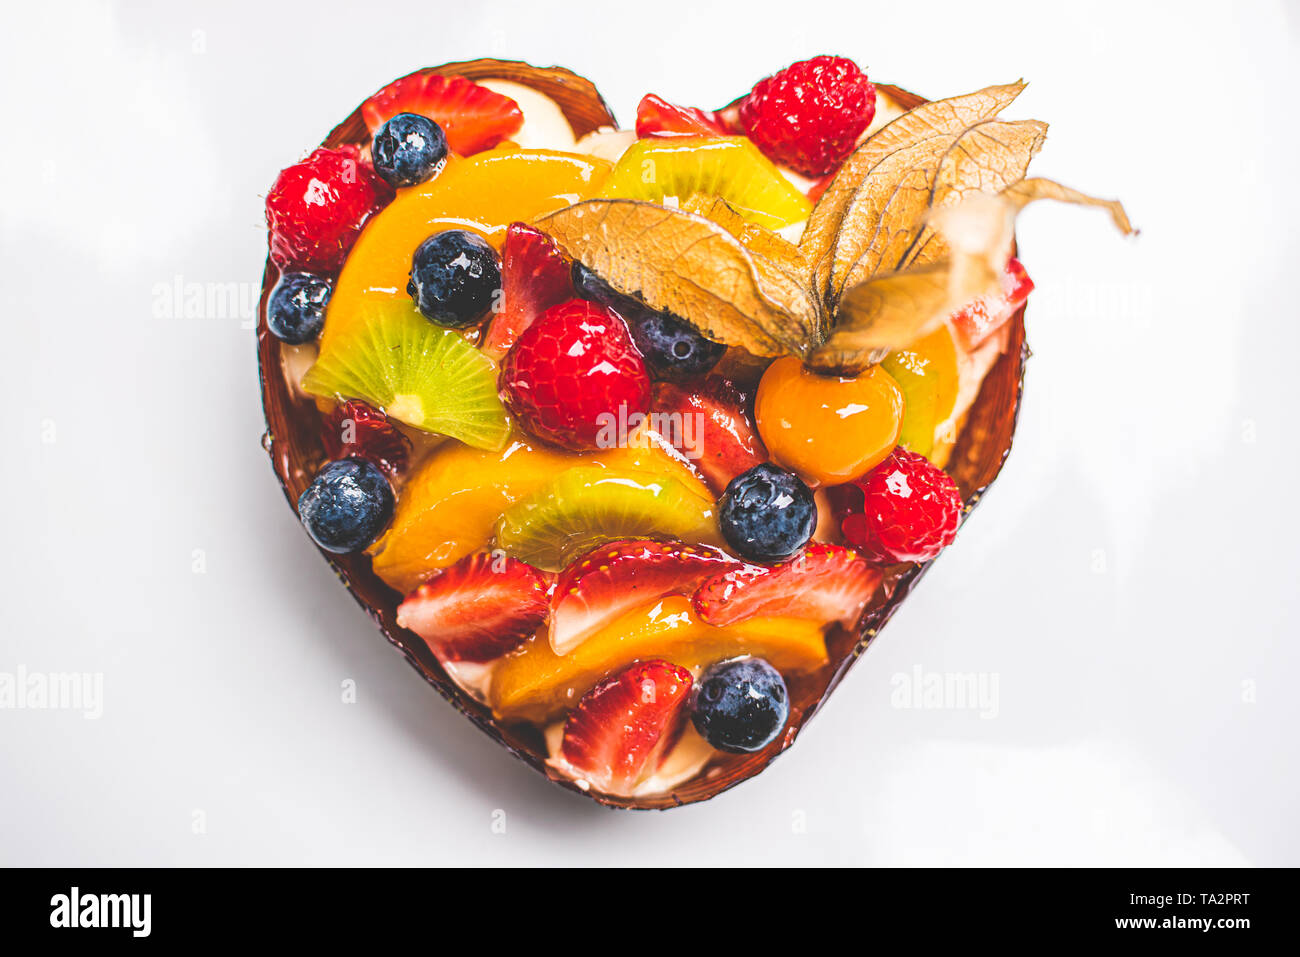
(632, 440)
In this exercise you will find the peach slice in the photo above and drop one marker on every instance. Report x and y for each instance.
(536, 683)
(484, 193)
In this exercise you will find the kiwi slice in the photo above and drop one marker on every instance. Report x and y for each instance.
(588, 505)
(920, 401)
(418, 373)
(727, 166)
(927, 374)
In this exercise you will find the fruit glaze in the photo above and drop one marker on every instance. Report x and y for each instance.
(612, 431)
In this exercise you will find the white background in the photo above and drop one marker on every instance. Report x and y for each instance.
(1130, 581)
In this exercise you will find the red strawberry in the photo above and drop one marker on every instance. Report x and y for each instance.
(710, 427)
(534, 277)
(316, 208)
(909, 510)
(473, 117)
(573, 374)
(478, 609)
(823, 583)
(354, 428)
(614, 578)
(810, 115)
(655, 116)
(978, 320)
(623, 727)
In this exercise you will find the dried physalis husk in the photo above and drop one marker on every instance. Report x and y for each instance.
(1027, 191)
(929, 129)
(758, 239)
(986, 159)
(917, 223)
(770, 250)
(679, 261)
(883, 220)
(892, 309)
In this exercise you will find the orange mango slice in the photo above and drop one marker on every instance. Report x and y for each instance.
(484, 193)
(536, 684)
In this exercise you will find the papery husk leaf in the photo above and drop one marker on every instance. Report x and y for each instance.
(893, 309)
(940, 118)
(883, 220)
(1027, 191)
(759, 240)
(755, 237)
(988, 158)
(680, 262)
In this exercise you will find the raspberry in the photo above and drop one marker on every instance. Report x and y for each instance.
(909, 513)
(574, 373)
(810, 115)
(316, 208)
(355, 429)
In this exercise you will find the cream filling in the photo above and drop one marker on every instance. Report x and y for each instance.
(472, 677)
(544, 124)
(606, 143)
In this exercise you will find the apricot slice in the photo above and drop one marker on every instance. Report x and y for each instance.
(484, 193)
(536, 683)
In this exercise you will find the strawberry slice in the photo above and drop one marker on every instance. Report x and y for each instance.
(709, 426)
(354, 428)
(820, 186)
(473, 117)
(534, 277)
(824, 583)
(729, 117)
(617, 577)
(478, 609)
(623, 727)
(978, 320)
(655, 116)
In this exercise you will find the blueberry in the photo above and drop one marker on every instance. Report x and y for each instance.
(347, 505)
(591, 287)
(767, 514)
(740, 705)
(295, 312)
(455, 277)
(672, 348)
(409, 149)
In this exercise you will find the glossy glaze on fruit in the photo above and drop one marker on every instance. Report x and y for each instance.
(546, 500)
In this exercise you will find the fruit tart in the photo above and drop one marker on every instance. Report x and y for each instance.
(632, 439)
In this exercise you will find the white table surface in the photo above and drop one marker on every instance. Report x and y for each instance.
(1130, 582)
